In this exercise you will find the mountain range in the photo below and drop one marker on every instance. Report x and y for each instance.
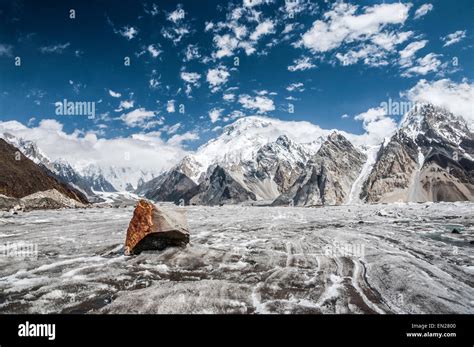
(263, 160)
(429, 158)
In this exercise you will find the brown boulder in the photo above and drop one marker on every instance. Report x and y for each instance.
(154, 229)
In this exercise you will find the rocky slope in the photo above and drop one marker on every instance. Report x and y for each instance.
(220, 188)
(329, 175)
(430, 158)
(20, 176)
(61, 169)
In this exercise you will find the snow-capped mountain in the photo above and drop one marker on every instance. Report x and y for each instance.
(256, 158)
(60, 169)
(29, 149)
(110, 179)
(263, 156)
(241, 140)
(430, 158)
(328, 176)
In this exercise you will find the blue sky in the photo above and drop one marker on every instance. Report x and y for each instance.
(321, 59)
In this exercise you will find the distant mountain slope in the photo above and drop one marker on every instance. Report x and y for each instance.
(20, 176)
(328, 176)
(430, 158)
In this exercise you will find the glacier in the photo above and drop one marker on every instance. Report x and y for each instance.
(386, 258)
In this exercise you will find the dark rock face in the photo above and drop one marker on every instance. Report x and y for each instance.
(394, 168)
(171, 187)
(329, 175)
(154, 229)
(220, 188)
(21, 177)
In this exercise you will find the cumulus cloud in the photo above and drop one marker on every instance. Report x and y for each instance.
(409, 52)
(264, 28)
(148, 150)
(190, 77)
(140, 117)
(261, 104)
(215, 114)
(154, 50)
(177, 15)
(228, 97)
(423, 10)
(301, 64)
(377, 125)
(429, 63)
(178, 28)
(128, 32)
(178, 139)
(114, 94)
(217, 77)
(455, 97)
(299, 87)
(342, 24)
(191, 53)
(125, 105)
(453, 38)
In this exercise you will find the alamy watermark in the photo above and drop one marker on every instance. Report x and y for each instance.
(344, 249)
(19, 250)
(397, 108)
(75, 108)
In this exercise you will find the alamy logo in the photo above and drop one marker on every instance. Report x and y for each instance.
(37, 330)
(75, 108)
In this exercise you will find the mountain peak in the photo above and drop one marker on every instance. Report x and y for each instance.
(432, 121)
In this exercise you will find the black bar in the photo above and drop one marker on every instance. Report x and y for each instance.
(320, 330)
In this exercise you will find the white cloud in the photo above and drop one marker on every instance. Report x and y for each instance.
(154, 50)
(217, 77)
(228, 97)
(148, 150)
(370, 54)
(125, 105)
(261, 104)
(215, 114)
(177, 15)
(345, 116)
(154, 83)
(455, 97)
(423, 10)
(178, 139)
(299, 87)
(226, 44)
(138, 118)
(191, 53)
(175, 34)
(170, 106)
(377, 125)
(301, 64)
(429, 63)
(58, 49)
(342, 25)
(408, 53)
(453, 38)
(264, 28)
(129, 32)
(114, 94)
(171, 129)
(190, 77)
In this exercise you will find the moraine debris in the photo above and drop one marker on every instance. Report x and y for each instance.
(154, 229)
